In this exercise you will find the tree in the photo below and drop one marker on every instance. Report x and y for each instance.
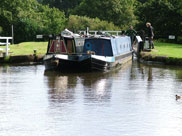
(30, 18)
(120, 12)
(165, 16)
(63, 5)
(1, 29)
(142, 1)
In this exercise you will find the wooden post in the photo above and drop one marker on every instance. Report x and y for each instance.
(7, 42)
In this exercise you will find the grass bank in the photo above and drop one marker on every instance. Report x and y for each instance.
(24, 53)
(165, 53)
(161, 49)
(27, 48)
(167, 49)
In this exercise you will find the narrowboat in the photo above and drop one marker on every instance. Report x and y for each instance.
(66, 46)
(98, 52)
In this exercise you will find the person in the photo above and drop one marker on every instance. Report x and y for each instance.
(132, 33)
(141, 33)
(150, 35)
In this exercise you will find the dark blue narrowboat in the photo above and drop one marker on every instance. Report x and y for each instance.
(99, 52)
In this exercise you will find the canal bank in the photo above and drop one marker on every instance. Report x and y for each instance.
(26, 52)
(148, 57)
(26, 59)
(164, 53)
(145, 57)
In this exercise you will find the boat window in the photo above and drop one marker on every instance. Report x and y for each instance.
(99, 46)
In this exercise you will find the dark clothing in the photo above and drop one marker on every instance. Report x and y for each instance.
(132, 33)
(141, 33)
(150, 36)
(151, 43)
(150, 31)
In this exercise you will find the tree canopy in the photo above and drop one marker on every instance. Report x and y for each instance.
(63, 5)
(120, 12)
(165, 16)
(52, 16)
(29, 18)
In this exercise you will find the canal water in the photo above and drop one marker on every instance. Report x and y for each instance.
(136, 100)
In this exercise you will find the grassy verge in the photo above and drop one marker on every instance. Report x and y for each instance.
(167, 49)
(27, 48)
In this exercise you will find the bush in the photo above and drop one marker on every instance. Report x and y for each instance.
(1, 29)
(76, 23)
(179, 39)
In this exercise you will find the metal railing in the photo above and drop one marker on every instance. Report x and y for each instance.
(95, 32)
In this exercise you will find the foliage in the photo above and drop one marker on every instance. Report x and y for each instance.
(63, 5)
(1, 29)
(142, 1)
(120, 12)
(76, 23)
(30, 18)
(165, 16)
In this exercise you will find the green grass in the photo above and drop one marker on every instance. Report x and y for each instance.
(27, 48)
(167, 49)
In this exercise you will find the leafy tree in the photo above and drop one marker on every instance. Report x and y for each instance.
(63, 5)
(29, 18)
(120, 12)
(165, 16)
(142, 1)
(1, 29)
(76, 23)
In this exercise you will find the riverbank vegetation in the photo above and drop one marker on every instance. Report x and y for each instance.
(52, 16)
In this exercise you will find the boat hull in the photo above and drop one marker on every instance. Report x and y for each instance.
(85, 62)
(102, 65)
(67, 63)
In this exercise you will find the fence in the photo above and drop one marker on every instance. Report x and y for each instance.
(5, 43)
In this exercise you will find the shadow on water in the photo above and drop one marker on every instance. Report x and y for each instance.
(94, 86)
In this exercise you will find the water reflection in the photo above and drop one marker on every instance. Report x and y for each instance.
(136, 100)
(143, 71)
(95, 86)
(61, 86)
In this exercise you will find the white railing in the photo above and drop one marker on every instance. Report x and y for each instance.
(95, 32)
(6, 43)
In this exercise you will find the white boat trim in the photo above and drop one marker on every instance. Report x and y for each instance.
(103, 58)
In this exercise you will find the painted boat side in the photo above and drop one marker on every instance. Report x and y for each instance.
(91, 59)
